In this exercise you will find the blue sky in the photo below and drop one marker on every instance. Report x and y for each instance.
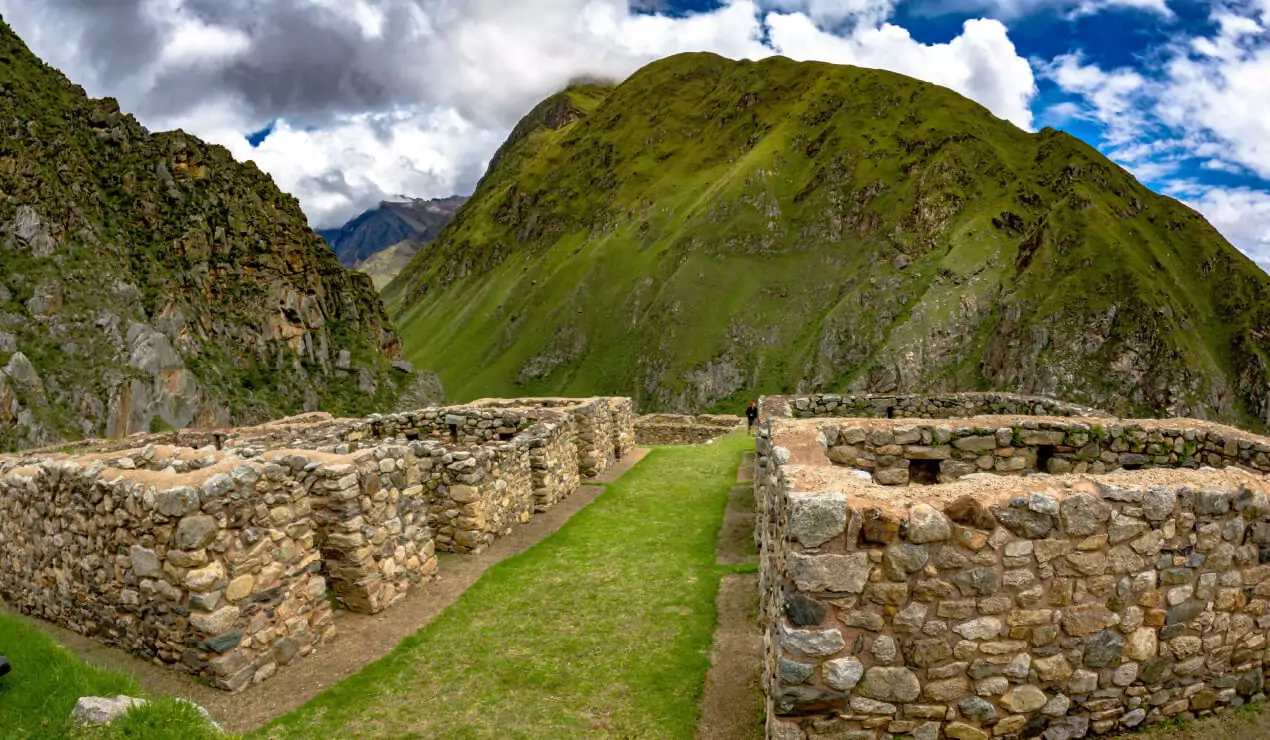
(348, 102)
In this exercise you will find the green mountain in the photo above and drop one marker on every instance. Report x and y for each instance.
(150, 281)
(415, 221)
(710, 229)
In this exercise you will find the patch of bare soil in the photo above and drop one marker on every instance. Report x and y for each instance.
(359, 640)
(745, 473)
(736, 535)
(732, 708)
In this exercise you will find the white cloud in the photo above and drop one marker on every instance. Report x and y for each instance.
(1220, 91)
(981, 63)
(1111, 98)
(1242, 215)
(380, 97)
(835, 12)
(1068, 8)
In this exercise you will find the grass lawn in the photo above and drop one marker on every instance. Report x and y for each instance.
(602, 630)
(36, 699)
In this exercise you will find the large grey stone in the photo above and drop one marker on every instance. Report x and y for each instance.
(1083, 514)
(978, 582)
(1033, 525)
(1104, 650)
(791, 672)
(99, 710)
(145, 563)
(844, 673)
(842, 573)
(217, 623)
(984, 628)
(177, 501)
(816, 518)
(900, 560)
(1158, 504)
(195, 532)
(977, 709)
(813, 643)
(890, 684)
(926, 524)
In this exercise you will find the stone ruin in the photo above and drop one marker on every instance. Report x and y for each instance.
(682, 429)
(219, 552)
(991, 566)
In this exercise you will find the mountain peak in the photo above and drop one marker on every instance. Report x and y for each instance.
(712, 228)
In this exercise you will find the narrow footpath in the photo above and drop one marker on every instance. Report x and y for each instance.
(603, 629)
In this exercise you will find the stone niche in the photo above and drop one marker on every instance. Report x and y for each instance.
(1130, 587)
(218, 560)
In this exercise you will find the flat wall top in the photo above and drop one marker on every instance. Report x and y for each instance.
(801, 448)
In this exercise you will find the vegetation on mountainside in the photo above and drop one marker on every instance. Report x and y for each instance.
(149, 280)
(711, 228)
(601, 630)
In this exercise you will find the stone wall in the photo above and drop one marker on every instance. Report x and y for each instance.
(1010, 607)
(946, 406)
(940, 452)
(622, 410)
(215, 558)
(679, 429)
(215, 572)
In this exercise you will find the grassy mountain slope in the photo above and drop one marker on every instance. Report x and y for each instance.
(150, 281)
(389, 224)
(388, 263)
(710, 228)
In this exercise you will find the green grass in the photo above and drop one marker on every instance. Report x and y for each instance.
(36, 699)
(601, 630)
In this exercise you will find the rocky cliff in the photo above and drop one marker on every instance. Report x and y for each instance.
(150, 281)
(710, 229)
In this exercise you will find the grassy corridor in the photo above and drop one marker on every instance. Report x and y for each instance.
(602, 630)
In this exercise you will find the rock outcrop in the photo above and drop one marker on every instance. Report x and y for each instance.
(149, 281)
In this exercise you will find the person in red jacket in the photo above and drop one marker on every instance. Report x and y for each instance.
(751, 414)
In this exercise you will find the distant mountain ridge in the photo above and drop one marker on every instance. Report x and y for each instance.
(712, 229)
(392, 222)
(148, 281)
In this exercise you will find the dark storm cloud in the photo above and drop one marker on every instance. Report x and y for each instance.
(303, 62)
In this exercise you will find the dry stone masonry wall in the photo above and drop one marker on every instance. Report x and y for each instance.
(1003, 605)
(927, 453)
(217, 559)
(678, 429)
(949, 406)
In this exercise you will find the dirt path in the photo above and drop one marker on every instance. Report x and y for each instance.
(745, 473)
(736, 535)
(732, 708)
(733, 705)
(359, 640)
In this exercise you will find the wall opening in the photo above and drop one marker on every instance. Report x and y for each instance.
(1044, 453)
(454, 432)
(923, 472)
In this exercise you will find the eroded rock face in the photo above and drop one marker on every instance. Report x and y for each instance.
(192, 294)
